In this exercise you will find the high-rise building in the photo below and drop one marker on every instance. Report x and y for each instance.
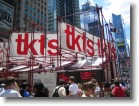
(121, 42)
(53, 12)
(28, 12)
(65, 9)
(93, 28)
(70, 11)
(89, 19)
(120, 36)
(11, 2)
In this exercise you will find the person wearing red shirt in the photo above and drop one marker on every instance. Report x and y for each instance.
(118, 91)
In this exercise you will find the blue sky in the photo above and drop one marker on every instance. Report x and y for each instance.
(117, 7)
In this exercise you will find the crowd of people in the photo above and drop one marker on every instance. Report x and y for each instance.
(117, 88)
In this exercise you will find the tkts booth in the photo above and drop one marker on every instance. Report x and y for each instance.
(71, 51)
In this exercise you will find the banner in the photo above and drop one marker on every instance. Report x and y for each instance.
(77, 40)
(27, 44)
(70, 38)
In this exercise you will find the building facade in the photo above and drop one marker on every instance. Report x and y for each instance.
(121, 43)
(29, 12)
(120, 35)
(62, 8)
(89, 19)
(11, 2)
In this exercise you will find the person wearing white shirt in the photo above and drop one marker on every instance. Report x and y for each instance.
(9, 90)
(73, 88)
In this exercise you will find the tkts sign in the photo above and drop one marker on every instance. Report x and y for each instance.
(72, 39)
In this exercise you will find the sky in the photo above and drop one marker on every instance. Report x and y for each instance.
(117, 7)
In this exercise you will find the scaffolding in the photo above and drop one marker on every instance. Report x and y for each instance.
(64, 59)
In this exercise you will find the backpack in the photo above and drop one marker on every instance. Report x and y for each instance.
(55, 94)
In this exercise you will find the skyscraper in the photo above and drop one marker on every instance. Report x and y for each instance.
(120, 36)
(70, 11)
(120, 39)
(28, 12)
(89, 19)
(65, 9)
(11, 2)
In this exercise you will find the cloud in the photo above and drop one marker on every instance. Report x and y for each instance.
(92, 2)
(117, 7)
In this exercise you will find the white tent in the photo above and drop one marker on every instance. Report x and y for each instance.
(28, 68)
(17, 68)
(88, 63)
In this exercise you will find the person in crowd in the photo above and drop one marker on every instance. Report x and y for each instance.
(39, 90)
(16, 87)
(88, 88)
(61, 89)
(10, 86)
(120, 80)
(67, 88)
(112, 83)
(127, 86)
(106, 91)
(97, 91)
(73, 88)
(80, 92)
(118, 91)
(2, 86)
(25, 90)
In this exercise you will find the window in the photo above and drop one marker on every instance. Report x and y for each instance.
(45, 8)
(17, 22)
(38, 10)
(26, 3)
(19, 2)
(37, 21)
(45, 4)
(26, 17)
(44, 25)
(30, 4)
(26, 9)
(30, 12)
(34, 14)
(41, 12)
(39, 4)
(18, 8)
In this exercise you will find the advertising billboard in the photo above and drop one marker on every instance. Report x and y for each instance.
(82, 76)
(6, 16)
(121, 46)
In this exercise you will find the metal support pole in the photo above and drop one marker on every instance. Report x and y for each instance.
(101, 39)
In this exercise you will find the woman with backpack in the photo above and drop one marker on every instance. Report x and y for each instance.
(60, 90)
